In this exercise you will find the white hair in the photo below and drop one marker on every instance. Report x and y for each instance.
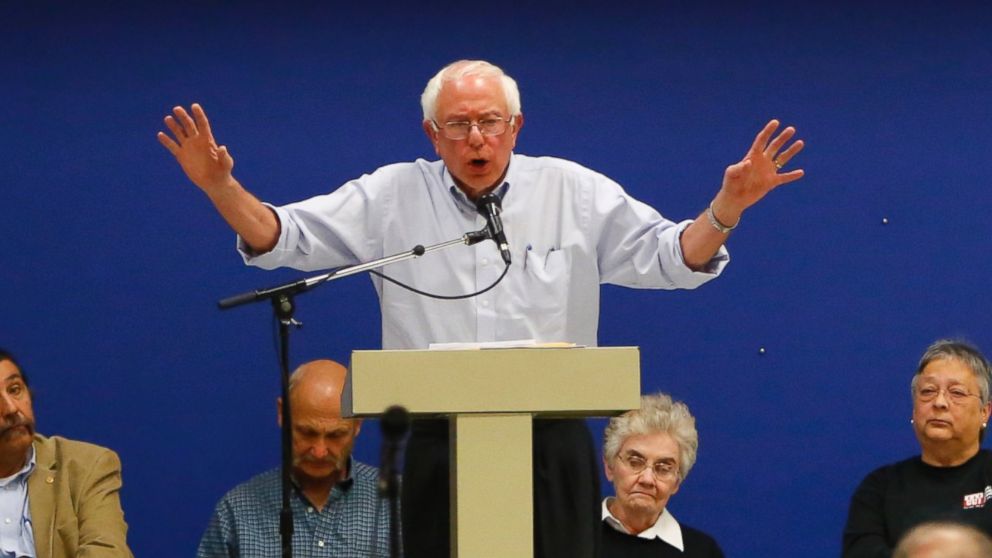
(460, 69)
(658, 414)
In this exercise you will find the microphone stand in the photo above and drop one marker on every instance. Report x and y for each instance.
(283, 307)
(394, 423)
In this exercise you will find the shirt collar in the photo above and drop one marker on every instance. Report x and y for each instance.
(349, 478)
(22, 475)
(666, 528)
(460, 197)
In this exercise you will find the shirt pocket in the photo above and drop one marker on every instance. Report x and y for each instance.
(544, 291)
(547, 266)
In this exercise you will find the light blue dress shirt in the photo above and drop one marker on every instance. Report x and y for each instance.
(16, 534)
(569, 230)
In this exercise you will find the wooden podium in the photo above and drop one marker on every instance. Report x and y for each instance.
(491, 396)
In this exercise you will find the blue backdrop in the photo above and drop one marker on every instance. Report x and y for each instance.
(112, 262)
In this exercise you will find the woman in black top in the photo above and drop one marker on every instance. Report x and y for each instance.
(951, 479)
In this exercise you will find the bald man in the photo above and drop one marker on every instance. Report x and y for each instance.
(336, 510)
(944, 540)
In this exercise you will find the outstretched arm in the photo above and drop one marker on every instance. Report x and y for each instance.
(209, 166)
(744, 184)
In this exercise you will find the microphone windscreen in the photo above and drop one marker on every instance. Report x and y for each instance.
(394, 422)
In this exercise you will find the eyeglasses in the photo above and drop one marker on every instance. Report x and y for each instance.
(459, 130)
(955, 394)
(664, 471)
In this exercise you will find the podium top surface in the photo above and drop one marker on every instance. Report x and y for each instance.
(590, 381)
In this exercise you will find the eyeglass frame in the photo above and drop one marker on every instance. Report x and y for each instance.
(672, 474)
(473, 124)
(951, 397)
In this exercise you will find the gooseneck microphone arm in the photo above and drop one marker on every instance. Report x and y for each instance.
(303, 285)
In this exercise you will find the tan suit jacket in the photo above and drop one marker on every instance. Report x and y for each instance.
(74, 494)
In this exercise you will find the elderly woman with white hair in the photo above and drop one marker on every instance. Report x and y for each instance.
(647, 454)
(951, 479)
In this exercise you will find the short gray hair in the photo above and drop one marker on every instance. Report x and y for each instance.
(963, 352)
(460, 69)
(658, 414)
(944, 539)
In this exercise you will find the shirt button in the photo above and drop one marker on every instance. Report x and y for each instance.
(310, 509)
(320, 544)
(7, 520)
(485, 303)
(485, 261)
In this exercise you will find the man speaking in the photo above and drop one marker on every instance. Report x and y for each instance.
(568, 229)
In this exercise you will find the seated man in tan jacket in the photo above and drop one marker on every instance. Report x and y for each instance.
(58, 497)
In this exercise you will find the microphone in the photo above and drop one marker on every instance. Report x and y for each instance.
(490, 207)
(394, 423)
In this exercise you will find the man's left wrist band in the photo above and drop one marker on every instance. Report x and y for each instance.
(716, 222)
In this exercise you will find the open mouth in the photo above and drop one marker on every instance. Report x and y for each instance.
(478, 163)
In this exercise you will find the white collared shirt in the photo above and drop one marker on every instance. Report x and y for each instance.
(666, 528)
(16, 532)
(569, 229)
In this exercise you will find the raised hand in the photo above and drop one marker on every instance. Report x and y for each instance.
(746, 182)
(208, 165)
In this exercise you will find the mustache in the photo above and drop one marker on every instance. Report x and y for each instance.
(336, 460)
(18, 421)
(311, 459)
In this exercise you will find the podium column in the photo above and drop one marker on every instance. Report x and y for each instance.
(490, 479)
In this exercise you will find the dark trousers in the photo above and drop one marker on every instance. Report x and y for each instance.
(566, 490)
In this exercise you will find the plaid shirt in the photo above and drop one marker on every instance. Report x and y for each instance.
(353, 524)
